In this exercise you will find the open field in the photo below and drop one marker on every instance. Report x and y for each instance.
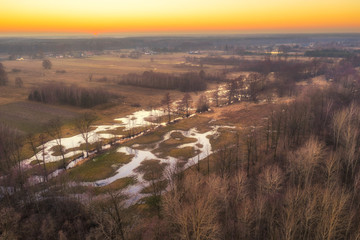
(16, 110)
(100, 167)
(32, 116)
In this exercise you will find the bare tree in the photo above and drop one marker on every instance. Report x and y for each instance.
(32, 142)
(46, 64)
(19, 82)
(190, 210)
(10, 144)
(167, 102)
(202, 104)
(54, 129)
(3, 76)
(255, 83)
(42, 141)
(83, 125)
(109, 216)
(9, 223)
(334, 217)
(346, 137)
(185, 104)
(304, 162)
(216, 97)
(271, 180)
(231, 93)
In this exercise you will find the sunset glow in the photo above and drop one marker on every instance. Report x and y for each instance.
(111, 16)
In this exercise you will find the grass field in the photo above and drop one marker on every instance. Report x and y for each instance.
(29, 116)
(100, 167)
(18, 112)
(116, 185)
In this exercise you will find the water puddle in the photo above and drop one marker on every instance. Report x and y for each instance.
(142, 118)
(202, 145)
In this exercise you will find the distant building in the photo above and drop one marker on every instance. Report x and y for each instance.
(194, 52)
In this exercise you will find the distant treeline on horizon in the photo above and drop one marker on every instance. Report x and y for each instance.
(30, 45)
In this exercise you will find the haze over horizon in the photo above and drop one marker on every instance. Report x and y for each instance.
(93, 17)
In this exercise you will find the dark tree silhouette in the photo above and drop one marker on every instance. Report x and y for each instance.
(166, 101)
(216, 97)
(83, 125)
(55, 93)
(185, 82)
(19, 82)
(46, 64)
(202, 104)
(185, 104)
(3, 76)
(54, 129)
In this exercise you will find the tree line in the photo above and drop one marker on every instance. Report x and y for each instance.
(336, 53)
(186, 82)
(301, 69)
(56, 93)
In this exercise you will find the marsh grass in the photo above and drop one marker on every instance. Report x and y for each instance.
(100, 167)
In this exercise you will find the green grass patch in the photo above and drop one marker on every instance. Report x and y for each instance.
(150, 138)
(34, 162)
(116, 131)
(201, 124)
(183, 153)
(56, 150)
(177, 138)
(152, 169)
(83, 146)
(50, 167)
(116, 185)
(169, 147)
(100, 167)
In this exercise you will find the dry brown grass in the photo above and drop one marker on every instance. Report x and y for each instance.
(77, 72)
(243, 114)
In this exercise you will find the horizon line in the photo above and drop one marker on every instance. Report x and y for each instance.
(169, 34)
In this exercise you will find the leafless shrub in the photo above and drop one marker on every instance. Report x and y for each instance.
(346, 137)
(190, 212)
(271, 180)
(304, 161)
(84, 124)
(19, 82)
(202, 104)
(109, 216)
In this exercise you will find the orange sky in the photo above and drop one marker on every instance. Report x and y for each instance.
(111, 16)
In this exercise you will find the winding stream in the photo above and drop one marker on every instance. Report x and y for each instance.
(202, 145)
(142, 118)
